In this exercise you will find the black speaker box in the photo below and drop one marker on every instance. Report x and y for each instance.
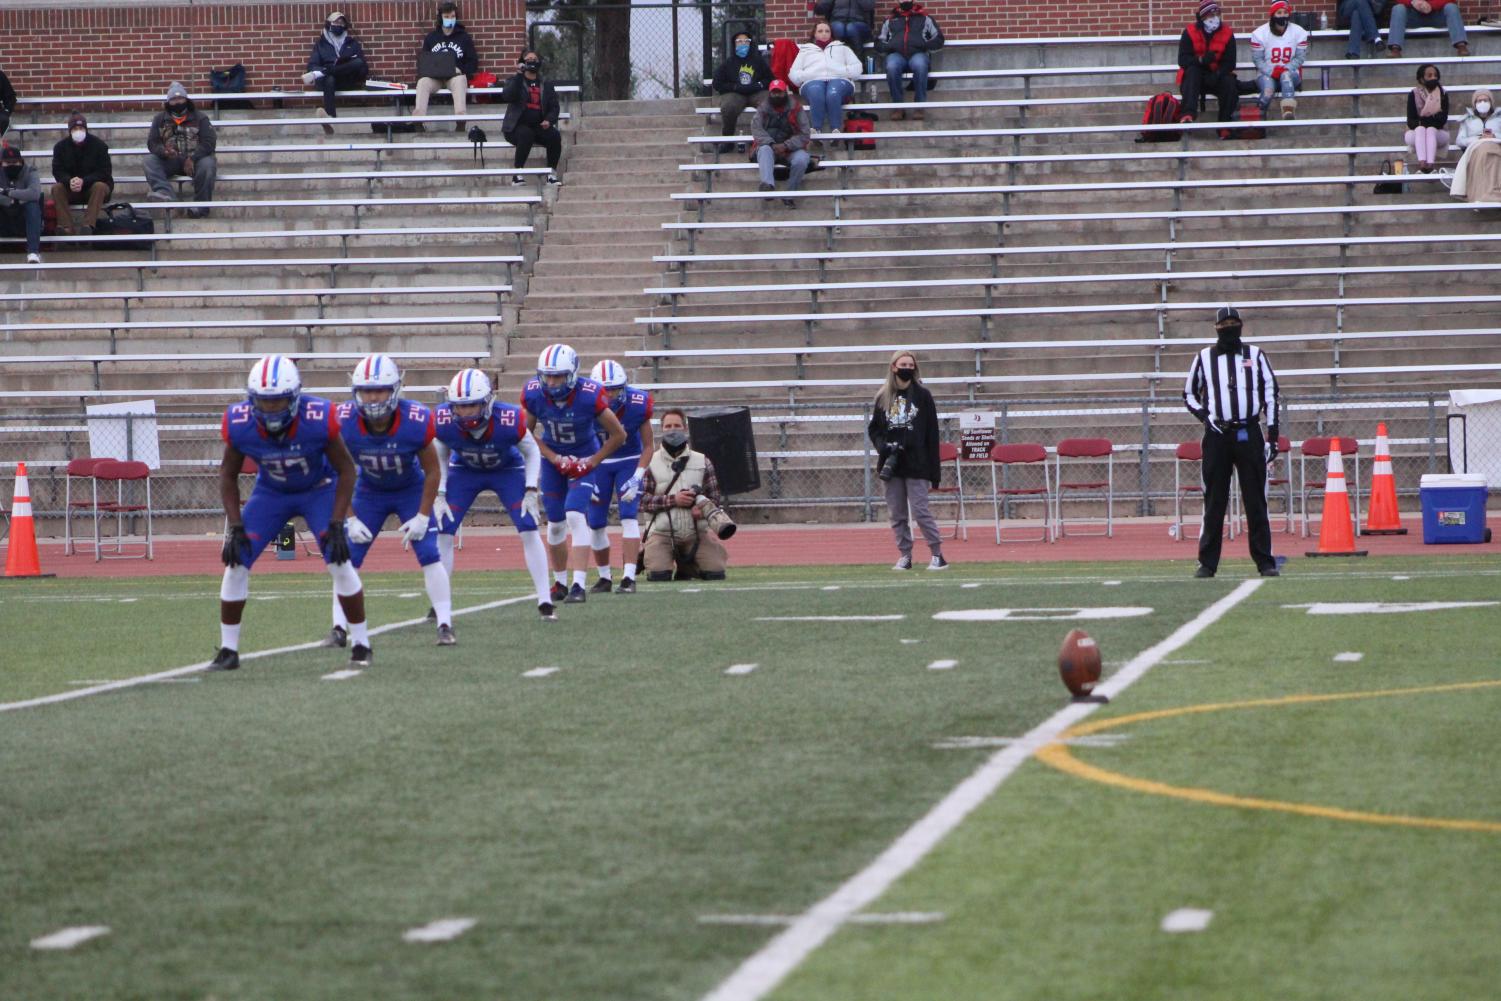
(725, 436)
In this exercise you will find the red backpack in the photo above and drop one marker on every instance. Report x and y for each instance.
(1162, 109)
(860, 121)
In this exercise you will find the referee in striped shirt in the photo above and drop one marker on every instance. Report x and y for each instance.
(1230, 385)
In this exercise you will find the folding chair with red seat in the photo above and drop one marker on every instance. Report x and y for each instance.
(1193, 451)
(1085, 452)
(1005, 456)
(120, 473)
(78, 469)
(1319, 448)
(1285, 456)
(949, 452)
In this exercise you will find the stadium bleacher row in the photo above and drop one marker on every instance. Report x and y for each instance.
(1018, 239)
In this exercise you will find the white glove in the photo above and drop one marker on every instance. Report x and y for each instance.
(441, 511)
(414, 529)
(530, 505)
(357, 531)
(632, 486)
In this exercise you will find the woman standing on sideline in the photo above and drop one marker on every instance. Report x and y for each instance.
(904, 430)
(824, 74)
(448, 36)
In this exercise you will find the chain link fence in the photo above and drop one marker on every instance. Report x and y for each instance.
(816, 463)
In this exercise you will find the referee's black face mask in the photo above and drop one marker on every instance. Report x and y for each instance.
(1228, 335)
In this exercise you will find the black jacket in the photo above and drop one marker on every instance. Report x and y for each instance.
(1437, 121)
(88, 160)
(747, 76)
(194, 138)
(1188, 56)
(514, 95)
(351, 56)
(909, 32)
(847, 10)
(7, 97)
(919, 438)
(459, 43)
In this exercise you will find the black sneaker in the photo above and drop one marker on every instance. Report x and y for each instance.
(627, 585)
(576, 595)
(225, 660)
(602, 586)
(359, 656)
(336, 637)
(517, 180)
(559, 592)
(1270, 572)
(432, 616)
(547, 611)
(1203, 572)
(445, 636)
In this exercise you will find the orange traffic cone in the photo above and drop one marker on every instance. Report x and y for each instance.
(1336, 537)
(21, 558)
(1382, 518)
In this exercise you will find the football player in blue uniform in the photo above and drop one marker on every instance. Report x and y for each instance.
(391, 440)
(566, 414)
(619, 477)
(485, 445)
(306, 470)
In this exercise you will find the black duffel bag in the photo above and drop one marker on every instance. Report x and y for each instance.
(119, 219)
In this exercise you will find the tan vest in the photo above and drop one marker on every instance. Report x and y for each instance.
(675, 521)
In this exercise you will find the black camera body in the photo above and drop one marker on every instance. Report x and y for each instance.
(891, 454)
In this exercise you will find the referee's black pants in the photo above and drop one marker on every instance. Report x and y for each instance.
(1224, 455)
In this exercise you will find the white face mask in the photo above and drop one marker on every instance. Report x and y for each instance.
(1211, 25)
(79, 135)
(1482, 107)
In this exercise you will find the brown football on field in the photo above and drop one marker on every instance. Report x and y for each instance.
(1079, 663)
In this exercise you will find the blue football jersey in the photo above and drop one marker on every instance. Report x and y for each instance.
(633, 407)
(567, 426)
(293, 462)
(387, 461)
(495, 448)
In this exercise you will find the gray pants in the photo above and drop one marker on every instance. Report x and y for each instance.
(901, 494)
(797, 165)
(160, 170)
(732, 106)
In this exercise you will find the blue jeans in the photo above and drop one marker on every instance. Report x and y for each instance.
(855, 34)
(797, 165)
(897, 64)
(1449, 17)
(24, 219)
(825, 100)
(1289, 83)
(1363, 28)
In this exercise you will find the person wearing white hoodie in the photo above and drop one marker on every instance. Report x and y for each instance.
(824, 73)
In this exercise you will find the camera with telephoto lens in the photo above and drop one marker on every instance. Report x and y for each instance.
(891, 455)
(721, 524)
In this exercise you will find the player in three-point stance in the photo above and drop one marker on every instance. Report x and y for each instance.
(566, 414)
(391, 440)
(306, 470)
(619, 477)
(485, 445)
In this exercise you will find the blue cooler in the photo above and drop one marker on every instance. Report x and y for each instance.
(1453, 508)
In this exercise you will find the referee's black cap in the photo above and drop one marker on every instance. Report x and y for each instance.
(1226, 313)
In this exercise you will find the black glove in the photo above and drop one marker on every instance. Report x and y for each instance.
(236, 546)
(336, 542)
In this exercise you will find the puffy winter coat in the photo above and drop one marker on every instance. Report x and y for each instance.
(1473, 125)
(834, 62)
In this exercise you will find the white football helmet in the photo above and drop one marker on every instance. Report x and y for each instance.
(609, 374)
(558, 359)
(376, 372)
(472, 386)
(274, 377)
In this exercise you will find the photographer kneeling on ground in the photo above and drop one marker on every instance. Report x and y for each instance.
(904, 431)
(680, 500)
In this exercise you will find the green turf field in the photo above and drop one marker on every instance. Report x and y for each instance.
(637, 822)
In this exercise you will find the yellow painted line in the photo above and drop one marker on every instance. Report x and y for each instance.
(1059, 756)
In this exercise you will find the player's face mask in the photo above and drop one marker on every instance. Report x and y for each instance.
(274, 413)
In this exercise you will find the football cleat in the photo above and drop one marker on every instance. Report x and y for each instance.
(336, 637)
(359, 656)
(601, 586)
(547, 611)
(576, 595)
(626, 586)
(559, 592)
(445, 636)
(225, 660)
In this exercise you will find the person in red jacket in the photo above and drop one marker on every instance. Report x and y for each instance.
(1427, 14)
(1206, 64)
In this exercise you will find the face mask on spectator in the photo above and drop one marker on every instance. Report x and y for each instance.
(778, 101)
(1279, 24)
(531, 66)
(1482, 107)
(742, 50)
(1430, 82)
(449, 22)
(13, 170)
(337, 30)
(674, 441)
(79, 135)
(1211, 24)
(905, 374)
(178, 110)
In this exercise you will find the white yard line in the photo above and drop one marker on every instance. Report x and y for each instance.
(830, 618)
(1349, 657)
(539, 672)
(67, 938)
(1186, 919)
(740, 669)
(872, 918)
(758, 975)
(145, 679)
(943, 665)
(444, 930)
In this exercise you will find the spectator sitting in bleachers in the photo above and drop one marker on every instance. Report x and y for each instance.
(448, 36)
(853, 21)
(1206, 64)
(780, 132)
(907, 39)
(20, 202)
(1426, 14)
(824, 74)
(81, 168)
(181, 141)
(1480, 121)
(1427, 118)
(1278, 49)
(1477, 176)
(1362, 17)
(336, 63)
(532, 116)
(7, 103)
(742, 78)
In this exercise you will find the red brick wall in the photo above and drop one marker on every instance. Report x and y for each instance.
(56, 51)
(1029, 18)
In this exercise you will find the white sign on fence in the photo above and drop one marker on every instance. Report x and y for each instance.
(111, 436)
